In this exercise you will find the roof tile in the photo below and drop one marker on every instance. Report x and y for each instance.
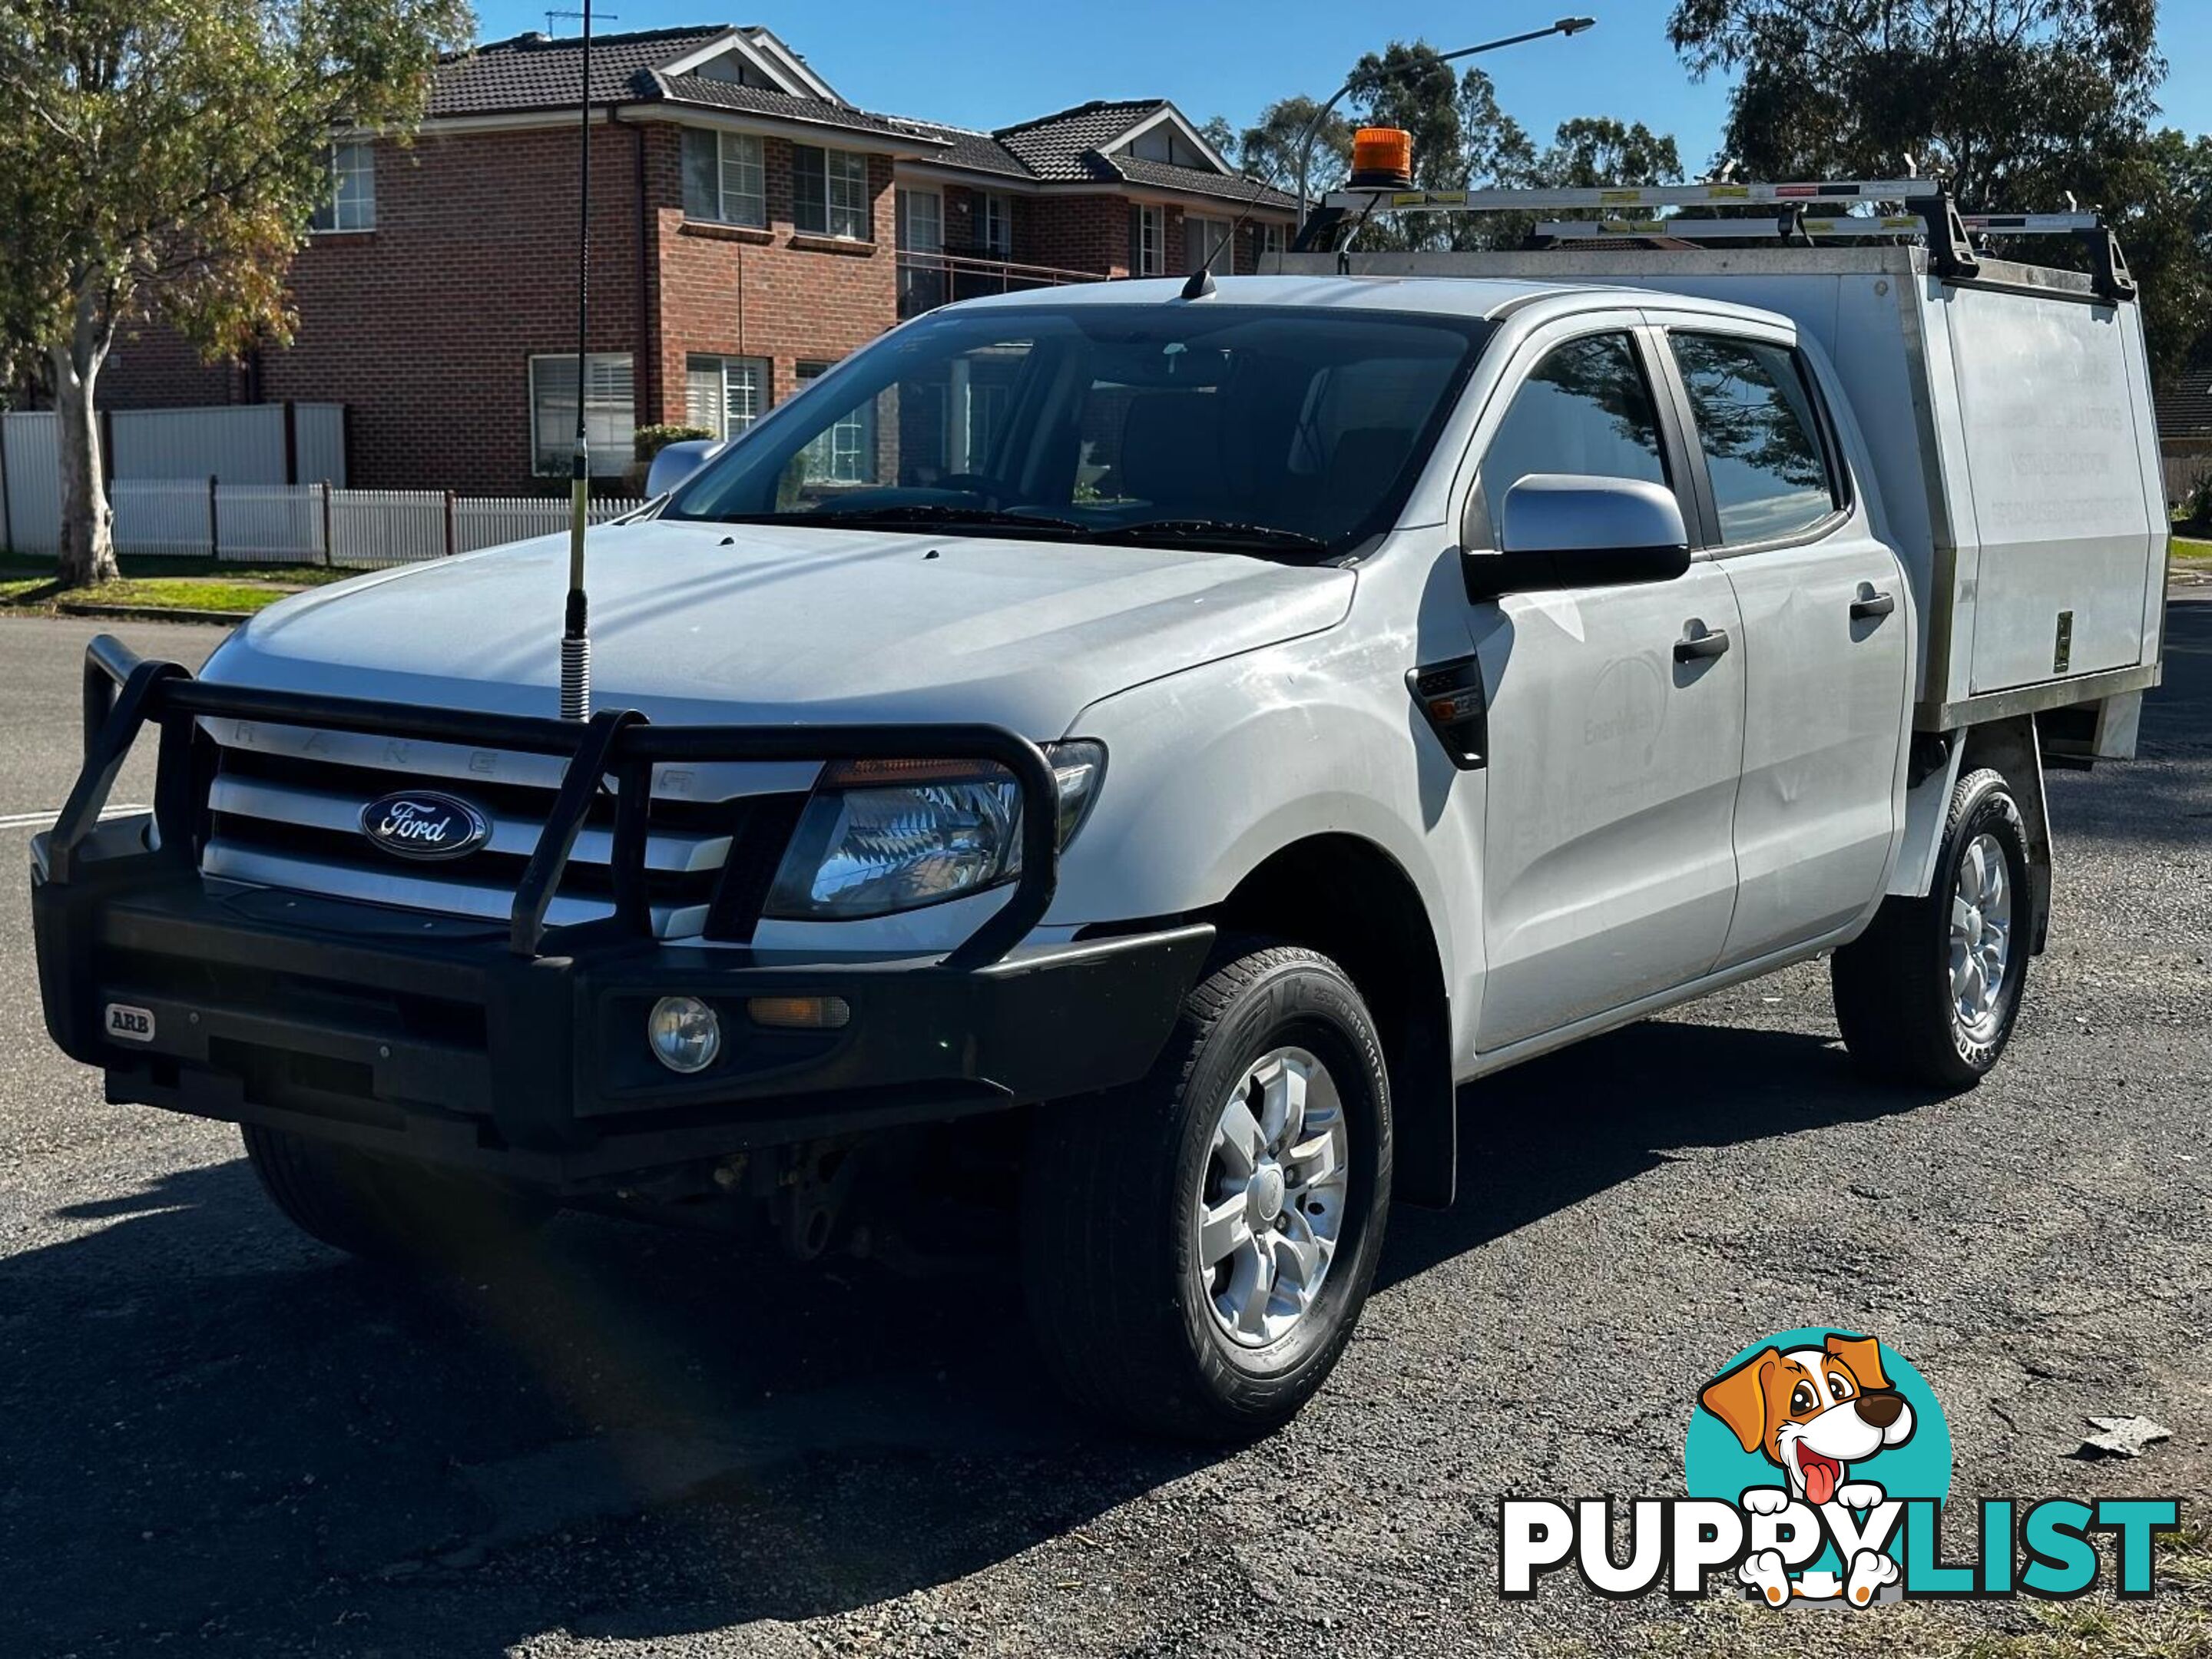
(706, 91)
(533, 72)
(1065, 145)
(1162, 175)
(2184, 403)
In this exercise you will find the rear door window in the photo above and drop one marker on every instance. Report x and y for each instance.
(1761, 437)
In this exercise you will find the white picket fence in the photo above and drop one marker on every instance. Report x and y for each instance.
(310, 524)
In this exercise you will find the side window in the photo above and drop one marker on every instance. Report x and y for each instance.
(1761, 438)
(1584, 408)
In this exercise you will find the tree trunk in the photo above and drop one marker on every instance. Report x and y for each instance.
(88, 549)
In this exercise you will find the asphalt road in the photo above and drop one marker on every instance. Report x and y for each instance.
(216, 1435)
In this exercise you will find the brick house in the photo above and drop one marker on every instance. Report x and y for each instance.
(2184, 410)
(749, 226)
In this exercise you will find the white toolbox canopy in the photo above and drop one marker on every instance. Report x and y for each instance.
(2007, 408)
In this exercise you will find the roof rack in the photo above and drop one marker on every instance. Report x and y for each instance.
(1805, 212)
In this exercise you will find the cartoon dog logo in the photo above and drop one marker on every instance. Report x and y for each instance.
(1812, 1412)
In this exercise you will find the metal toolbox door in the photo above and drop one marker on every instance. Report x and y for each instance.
(2052, 435)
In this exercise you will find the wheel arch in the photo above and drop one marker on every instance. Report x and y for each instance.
(1348, 898)
(2011, 747)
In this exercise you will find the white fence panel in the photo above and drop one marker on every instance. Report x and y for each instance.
(270, 523)
(386, 526)
(319, 443)
(162, 516)
(241, 443)
(28, 441)
(486, 521)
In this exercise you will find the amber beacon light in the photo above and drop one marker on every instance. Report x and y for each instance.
(1382, 159)
(1392, 168)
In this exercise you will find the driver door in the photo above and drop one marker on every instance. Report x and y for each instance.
(1616, 716)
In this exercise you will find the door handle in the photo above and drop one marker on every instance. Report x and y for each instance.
(1870, 604)
(1690, 647)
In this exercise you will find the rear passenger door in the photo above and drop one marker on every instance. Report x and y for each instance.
(1826, 638)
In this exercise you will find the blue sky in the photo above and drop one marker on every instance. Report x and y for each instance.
(987, 63)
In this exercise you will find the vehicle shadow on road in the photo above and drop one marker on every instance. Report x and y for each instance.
(1549, 1133)
(212, 1427)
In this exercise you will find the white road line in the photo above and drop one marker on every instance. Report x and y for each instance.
(45, 820)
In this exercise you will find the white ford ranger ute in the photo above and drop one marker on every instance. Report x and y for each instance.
(1149, 749)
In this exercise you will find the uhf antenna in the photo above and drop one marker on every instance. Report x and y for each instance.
(577, 629)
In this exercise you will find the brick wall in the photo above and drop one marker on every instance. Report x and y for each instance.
(424, 327)
(771, 294)
(151, 367)
(1075, 233)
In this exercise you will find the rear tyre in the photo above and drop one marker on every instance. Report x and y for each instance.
(1930, 992)
(385, 1210)
(1196, 1248)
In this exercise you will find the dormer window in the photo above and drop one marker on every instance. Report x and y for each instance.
(733, 69)
(1163, 142)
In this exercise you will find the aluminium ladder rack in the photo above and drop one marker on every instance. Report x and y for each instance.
(1802, 213)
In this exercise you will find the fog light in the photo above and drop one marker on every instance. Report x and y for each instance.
(684, 1034)
(800, 1013)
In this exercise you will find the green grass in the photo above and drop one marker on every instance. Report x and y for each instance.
(2194, 551)
(28, 584)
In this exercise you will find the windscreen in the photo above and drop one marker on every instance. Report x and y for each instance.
(1260, 429)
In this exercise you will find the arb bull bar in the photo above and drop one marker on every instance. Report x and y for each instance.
(521, 1048)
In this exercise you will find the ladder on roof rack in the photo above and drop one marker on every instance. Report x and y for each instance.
(1804, 212)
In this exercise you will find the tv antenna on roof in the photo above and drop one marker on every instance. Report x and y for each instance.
(610, 17)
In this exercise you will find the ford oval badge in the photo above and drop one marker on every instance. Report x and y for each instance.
(422, 824)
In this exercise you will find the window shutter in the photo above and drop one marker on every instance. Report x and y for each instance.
(702, 394)
(701, 170)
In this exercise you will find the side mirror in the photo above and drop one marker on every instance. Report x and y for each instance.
(675, 463)
(1566, 530)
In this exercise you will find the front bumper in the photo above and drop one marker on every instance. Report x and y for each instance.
(426, 1037)
(521, 1049)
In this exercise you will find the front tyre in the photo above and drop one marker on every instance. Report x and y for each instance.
(1196, 1248)
(1930, 992)
(385, 1210)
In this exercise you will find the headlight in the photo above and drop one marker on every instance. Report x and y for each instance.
(880, 836)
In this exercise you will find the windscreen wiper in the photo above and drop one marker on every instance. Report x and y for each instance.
(1153, 532)
(922, 513)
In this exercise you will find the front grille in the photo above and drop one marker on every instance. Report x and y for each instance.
(284, 810)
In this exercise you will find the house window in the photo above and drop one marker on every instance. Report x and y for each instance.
(1203, 241)
(845, 453)
(999, 224)
(724, 395)
(723, 179)
(351, 204)
(829, 192)
(609, 416)
(920, 220)
(1151, 240)
(1274, 239)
